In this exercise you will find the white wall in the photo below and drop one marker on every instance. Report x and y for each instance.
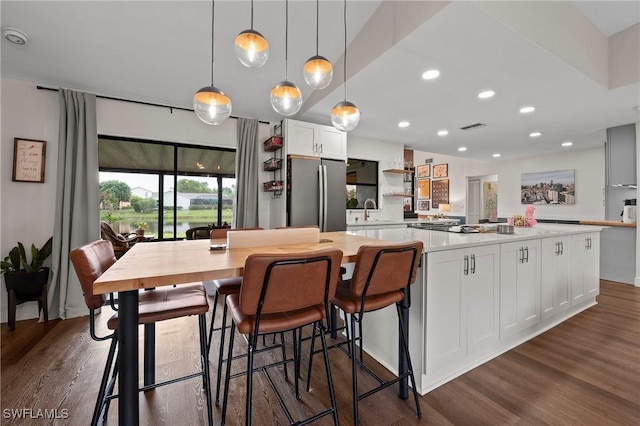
(459, 169)
(389, 208)
(27, 209)
(589, 174)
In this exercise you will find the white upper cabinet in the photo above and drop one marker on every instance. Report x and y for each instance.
(314, 140)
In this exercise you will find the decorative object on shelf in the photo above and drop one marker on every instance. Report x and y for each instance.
(554, 187)
(28, 160)
(345, 115)
(440, 170)
(528, 215)
(26, 280)
(443, 209)
(273, 143)
(286, 97)
(439, 192)
(424, 188)
(423, 170)
(274, 185)
(318, 71)
(210, 104)
(251, 48)
(423, 205)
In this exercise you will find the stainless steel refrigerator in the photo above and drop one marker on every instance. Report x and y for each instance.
(316, 193)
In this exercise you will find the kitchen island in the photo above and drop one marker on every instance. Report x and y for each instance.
(479, 295)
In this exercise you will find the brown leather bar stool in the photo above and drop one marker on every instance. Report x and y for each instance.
(90, 262)
(281, 293)
(382, 276)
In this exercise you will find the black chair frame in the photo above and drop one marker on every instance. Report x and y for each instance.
(252, 342)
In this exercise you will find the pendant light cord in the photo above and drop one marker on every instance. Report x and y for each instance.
(345, 50)
(251, 15)
(213, 5)
(286, 38)
(317, 24)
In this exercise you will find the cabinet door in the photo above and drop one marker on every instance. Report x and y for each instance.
(300, 138)
(585, 267)
(555, 276)
(519, 286)
(446, 319)
(481, 298)
(331, 143)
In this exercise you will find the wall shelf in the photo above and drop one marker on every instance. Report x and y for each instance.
(402, 171)
(397, 194)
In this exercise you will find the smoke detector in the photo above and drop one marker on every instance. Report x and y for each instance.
(15, 36)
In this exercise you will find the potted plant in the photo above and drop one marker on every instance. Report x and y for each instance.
(26, 280)
(140, 227)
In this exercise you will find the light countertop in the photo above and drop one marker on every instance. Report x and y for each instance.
(440, 240)
(375, 222)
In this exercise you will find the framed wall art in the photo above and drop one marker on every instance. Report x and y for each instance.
(423, 171)
(423, 205)
(439, 192)
(440, 170)
(28, 160)
(554, 187)
(424, 188)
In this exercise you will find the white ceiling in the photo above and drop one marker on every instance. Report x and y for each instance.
(160, 52)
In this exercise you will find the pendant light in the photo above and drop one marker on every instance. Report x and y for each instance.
(286, 98)
(251, 48)
(318, 71)
(345, 115)
(210, 104)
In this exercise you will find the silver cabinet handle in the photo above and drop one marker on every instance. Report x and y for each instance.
(557, 253)
(473, 263)
(466, 264)
(561, 247)
(526, 258)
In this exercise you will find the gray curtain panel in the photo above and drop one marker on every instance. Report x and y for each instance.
(247, 167)
(77, 215)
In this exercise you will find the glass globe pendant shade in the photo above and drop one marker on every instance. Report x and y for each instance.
(345, 116)
(318, 72)
(211, 105)
(252, 49)
(286, 98)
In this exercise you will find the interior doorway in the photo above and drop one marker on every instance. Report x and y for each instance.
(482, 199)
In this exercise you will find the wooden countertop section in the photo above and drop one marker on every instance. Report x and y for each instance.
(607, 223)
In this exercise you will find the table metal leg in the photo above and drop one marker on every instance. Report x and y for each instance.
(128, 407)
(149, 354)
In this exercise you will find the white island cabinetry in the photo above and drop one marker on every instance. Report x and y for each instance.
(555, 292)
(462, 308)
(585, 267)
(519, 286)
(483, 294)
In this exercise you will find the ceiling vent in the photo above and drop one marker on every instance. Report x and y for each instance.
(472, 126)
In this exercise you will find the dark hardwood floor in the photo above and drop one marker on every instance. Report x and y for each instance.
(584, 372)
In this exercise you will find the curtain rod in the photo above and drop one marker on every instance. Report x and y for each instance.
(171, 108)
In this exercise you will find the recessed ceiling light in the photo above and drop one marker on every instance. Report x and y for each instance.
(462, 148)
(486, 94)
(430, 74)
(443, 132)
(567, 143)
(527, 109)
(496, 155)
(403, 124)
(534, 134)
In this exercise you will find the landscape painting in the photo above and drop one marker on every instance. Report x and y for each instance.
(554, 187)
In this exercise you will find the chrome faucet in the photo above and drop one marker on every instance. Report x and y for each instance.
(366, 212)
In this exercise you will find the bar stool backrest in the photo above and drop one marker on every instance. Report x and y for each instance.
(272, 237)
(90, 262)
(385, 268)
(288, 282)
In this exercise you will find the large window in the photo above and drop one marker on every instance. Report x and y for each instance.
(167, 187)
(362, 182)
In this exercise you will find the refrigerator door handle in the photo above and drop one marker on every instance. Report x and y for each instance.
(325, 200)
(321, 197)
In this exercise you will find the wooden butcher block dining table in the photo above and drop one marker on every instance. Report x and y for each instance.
(156, 264)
